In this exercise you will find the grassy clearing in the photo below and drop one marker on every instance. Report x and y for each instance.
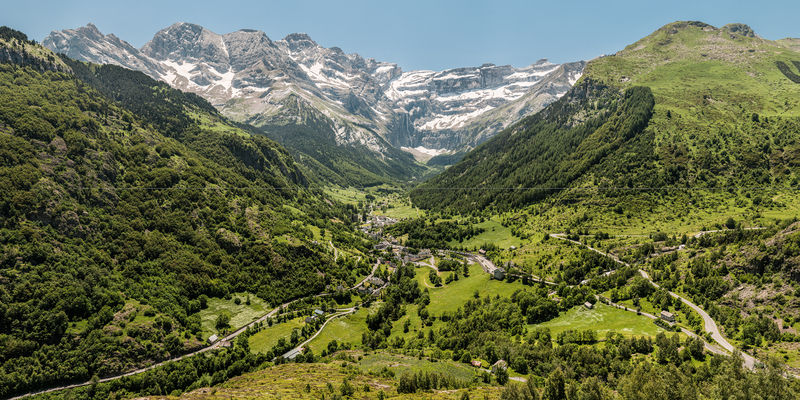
(347, 329)
(788, 353)
(400, 211)
(681, 317)
(415, 324)
(397, 206)
(216, 125)
(494, 232)
(453, 295)
(240, 314)
(402, 364)
(268, 337)
(77, 327)
(601, 319)
(346, 195)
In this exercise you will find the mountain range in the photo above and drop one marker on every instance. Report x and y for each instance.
(306, 95)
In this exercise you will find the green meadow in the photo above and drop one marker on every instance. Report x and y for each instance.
(601, 319)
(265, 339)
(241, 314)
(450, 297)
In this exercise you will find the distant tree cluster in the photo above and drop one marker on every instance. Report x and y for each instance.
(430, 234)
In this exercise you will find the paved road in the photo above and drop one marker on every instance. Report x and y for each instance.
(709, 324)
(335, 251)
(708, 346)
(751, 228)
(563, 237)
(371, 274)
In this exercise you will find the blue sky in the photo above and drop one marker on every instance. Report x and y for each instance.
(416, 34)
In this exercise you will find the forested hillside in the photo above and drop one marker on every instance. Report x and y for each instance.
(550, 151)
(722, 113)
(313, 144)
(119, 193)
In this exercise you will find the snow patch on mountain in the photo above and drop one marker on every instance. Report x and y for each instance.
(425, 150)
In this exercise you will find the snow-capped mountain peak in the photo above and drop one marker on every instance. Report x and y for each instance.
(364, 101)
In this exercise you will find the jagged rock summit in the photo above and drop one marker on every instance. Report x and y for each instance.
(359, 101)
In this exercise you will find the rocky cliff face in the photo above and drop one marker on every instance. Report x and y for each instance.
(465, 106)
(88, 44)
(362, 102)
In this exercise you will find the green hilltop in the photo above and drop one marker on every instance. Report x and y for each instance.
(725, 115)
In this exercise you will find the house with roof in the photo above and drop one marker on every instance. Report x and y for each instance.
(363, 290)
(668, 316)
(499, 273)
(212, 339)
(375, 281)
(500, 364)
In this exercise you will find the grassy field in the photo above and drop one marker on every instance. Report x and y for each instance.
(601, 319)
(789, 353)
(401, 364)
(346, 195)
(347, 329)
(453, 295)
(268, 337)
(400, 211)
(240, 314)
(397, 206)
(415, 324)
(494, 232)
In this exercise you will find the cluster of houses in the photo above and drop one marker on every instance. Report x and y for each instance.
(388, 244)
(401, 254)
(374, 227)
(500, 364)
(372, 286)
(314, 316)
(423, 254)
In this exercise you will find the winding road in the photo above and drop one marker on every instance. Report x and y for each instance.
(297, 350)
(710, 325)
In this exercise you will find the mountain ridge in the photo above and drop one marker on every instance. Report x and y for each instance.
(365, 102)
